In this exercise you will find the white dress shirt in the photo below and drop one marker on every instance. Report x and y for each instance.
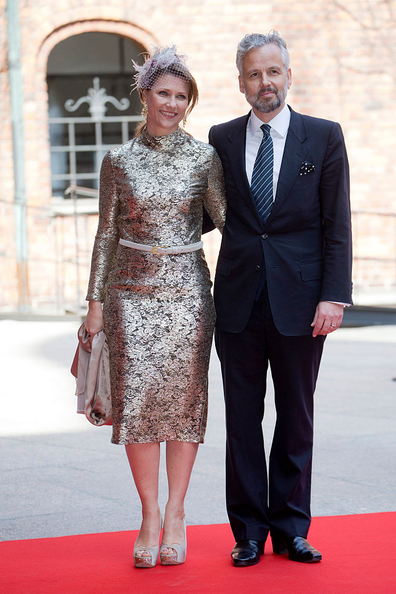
(254, 135)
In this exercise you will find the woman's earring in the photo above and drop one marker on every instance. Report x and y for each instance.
(144, 110)
(184, 121)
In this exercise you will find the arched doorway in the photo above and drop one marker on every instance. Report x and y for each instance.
(92, 67)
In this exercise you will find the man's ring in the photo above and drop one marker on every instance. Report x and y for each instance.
(332, 325)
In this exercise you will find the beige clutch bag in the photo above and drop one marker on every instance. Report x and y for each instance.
(91, 369)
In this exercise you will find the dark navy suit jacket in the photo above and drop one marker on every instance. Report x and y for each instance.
(304, 248)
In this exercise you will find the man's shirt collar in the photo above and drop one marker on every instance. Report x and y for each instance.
(279, 124)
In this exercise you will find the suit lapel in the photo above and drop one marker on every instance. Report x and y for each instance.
(293, 155)
(237, 156)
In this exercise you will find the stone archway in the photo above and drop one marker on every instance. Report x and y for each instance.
(78, 137)
(54, 247)
(37, 147)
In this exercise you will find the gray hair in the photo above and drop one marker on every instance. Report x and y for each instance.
(253, 40)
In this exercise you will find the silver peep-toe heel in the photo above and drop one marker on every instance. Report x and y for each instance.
(146, 557)
(178, 553)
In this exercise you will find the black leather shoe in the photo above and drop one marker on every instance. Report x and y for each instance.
(298, 548)
(247, 552)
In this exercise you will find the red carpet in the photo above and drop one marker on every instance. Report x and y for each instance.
(359, 556)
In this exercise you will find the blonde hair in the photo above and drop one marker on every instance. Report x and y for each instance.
(165, 60)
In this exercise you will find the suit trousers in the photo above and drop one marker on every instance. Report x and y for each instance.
(279, 503)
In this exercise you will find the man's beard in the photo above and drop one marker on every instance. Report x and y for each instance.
(267, 105)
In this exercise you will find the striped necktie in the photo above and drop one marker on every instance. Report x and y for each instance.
(262, 176)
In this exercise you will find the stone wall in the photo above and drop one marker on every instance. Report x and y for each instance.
(342, 59)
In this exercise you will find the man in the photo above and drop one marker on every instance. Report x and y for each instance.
(282, 280)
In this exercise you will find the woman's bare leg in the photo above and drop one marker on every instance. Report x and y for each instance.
(144, 462)
(180, 458)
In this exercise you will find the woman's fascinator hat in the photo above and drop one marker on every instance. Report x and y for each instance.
(164, 60)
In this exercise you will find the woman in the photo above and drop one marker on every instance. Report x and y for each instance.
(149, 270)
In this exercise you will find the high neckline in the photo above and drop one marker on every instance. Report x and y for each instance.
(165, 141)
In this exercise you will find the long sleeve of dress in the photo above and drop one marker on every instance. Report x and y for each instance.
(158, 309)
(107, 235)
(215, 199)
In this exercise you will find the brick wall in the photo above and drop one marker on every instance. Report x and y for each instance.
(342, 58)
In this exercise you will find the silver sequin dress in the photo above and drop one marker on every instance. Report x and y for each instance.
(158, 310)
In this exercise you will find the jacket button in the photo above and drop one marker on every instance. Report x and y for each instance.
(258, 268)
(264, 236)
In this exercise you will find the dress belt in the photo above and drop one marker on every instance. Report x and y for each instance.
(162, 251)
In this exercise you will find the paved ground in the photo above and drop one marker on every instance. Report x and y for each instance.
(61, 476)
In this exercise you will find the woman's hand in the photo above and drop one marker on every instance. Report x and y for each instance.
(94, 320)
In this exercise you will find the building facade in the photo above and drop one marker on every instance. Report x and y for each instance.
(64, 60)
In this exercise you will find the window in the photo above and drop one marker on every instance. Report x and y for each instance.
(90, 106)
